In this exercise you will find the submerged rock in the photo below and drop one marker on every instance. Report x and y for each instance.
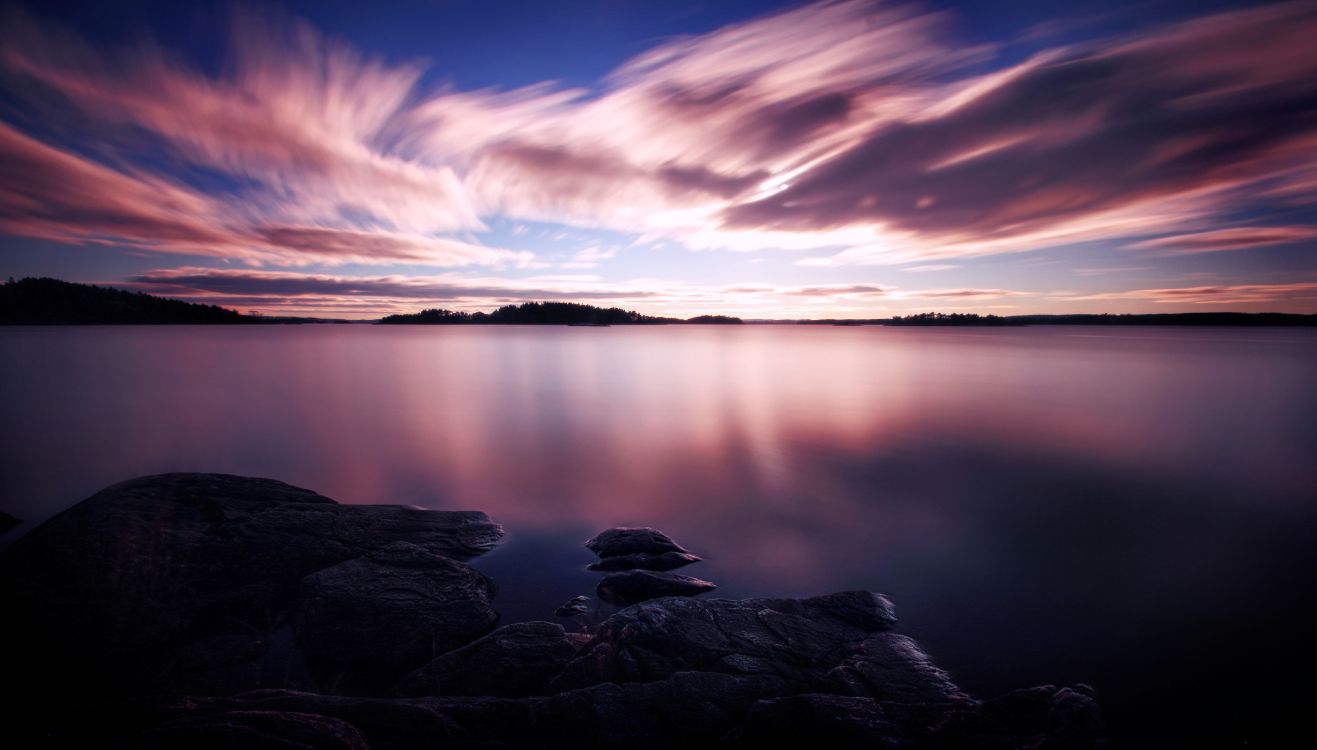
(628, 540)
(645, 561)
(577, 605)
(636, 586)
(189, 583)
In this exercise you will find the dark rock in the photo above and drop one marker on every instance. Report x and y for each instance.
(798, 640)
(365, 623)
(577, 605)
(1045, 717)
(180, 582)
(636, 586)
(686, 709)
(690, 709)
(645, 561)
(262, 730)
(511, 662)
(915, 693)
(7, 522)
(818, 720)
(626, 540)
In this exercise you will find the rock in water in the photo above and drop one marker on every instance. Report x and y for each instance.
(636, 586)
(577, 605)
(644, 561)
(185, 582)
(626, 540)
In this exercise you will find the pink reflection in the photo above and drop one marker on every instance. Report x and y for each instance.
(750, 444)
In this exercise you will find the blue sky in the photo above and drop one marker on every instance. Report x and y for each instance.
(772, 160)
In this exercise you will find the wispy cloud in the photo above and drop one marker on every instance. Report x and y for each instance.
(1234, 238)
(1220, 294)
(291, 291)
(859, 129)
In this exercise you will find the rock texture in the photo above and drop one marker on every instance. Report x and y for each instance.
(635, 586)
(145, 615)
(211, 583)
(644, 561)
(368, 621)
(511, 662)
(577, 605)
(626, 540)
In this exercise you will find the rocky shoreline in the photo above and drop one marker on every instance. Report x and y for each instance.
(214, 611)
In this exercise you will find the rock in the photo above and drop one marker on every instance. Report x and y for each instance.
(1045, 717)
(799, 640)
(645, 561)
(691, 709)
(636, 586)
(818, 720)
(7, 522)
(626, 540)
(263, 730)
(686, 709)
(185, 582)
(365, 623)
(511, 662)
(577, 605)
(916, 695)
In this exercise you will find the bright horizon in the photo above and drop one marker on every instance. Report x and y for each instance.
(763, 160)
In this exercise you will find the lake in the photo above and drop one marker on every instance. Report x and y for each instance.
(1130, 507)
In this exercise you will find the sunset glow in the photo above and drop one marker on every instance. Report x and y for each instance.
(847, 159)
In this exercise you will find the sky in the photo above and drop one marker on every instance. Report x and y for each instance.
(766, 160)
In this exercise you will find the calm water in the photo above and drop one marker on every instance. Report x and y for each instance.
(1133, 508)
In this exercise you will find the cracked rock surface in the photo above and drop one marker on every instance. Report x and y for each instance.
(210, 611)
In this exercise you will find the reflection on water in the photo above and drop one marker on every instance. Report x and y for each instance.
(1132, 508)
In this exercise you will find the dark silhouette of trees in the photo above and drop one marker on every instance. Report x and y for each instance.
(53, 302)
(714, 320)
(952, 319)
(533, 313)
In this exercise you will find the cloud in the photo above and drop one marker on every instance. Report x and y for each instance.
(311, 132)
(861, 131)
(930, 267)
(590, 257)
(842, 290)
(292, 292)
(954, 294)
(1235, 238)
(1077, 144)
(1222, 294)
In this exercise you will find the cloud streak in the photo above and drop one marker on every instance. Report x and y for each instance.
(863, 132)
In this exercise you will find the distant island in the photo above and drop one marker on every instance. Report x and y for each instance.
(1081, 319)
(45, 301)
(550, 313)
(55, 302)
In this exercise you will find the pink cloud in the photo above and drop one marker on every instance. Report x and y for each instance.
(1219, 294)
(289, 292)
(1234, 238)
(54, 195)
(851, 126)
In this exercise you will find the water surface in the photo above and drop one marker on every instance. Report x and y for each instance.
(1133, 508)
